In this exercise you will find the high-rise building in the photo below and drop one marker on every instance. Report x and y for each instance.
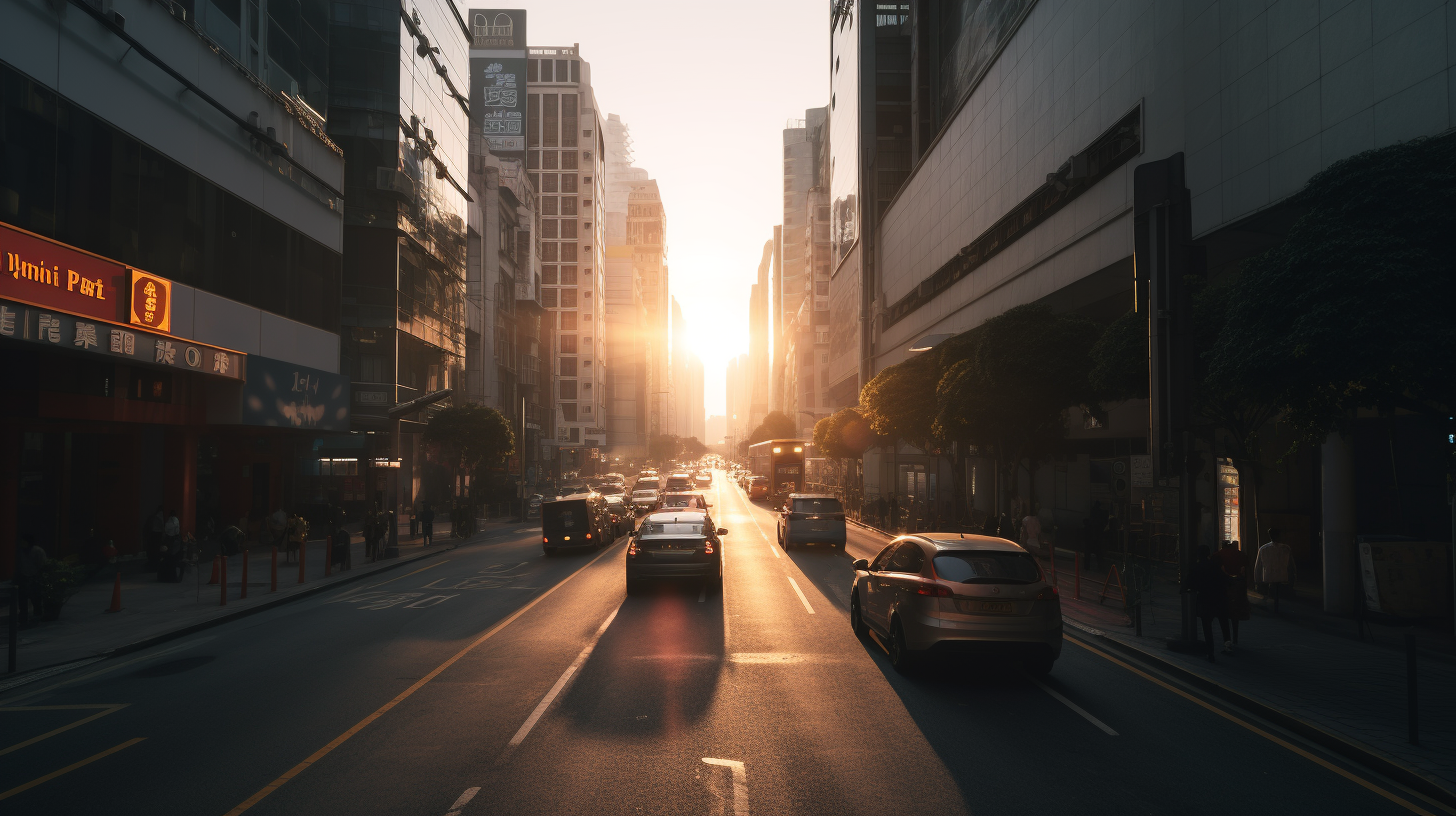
(647, 235)
(688, 416)
(760, 341)
(737, 398)
(805, 280)
(171, 215)
(407, 132)
(635, 230)
(565, 159)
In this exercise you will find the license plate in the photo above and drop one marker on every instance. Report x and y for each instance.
(997, 606)
(823, 526)
(986, 607)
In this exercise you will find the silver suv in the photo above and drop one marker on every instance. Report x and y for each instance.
(943, 593)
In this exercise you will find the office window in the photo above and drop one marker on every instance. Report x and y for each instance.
(568, 321)
(568, 413)
(548, 298)
(568, 160)
(576, 70)
(563, 72)
(533, 70)
(568, 206)
(575, 435)
(568, 229)
(548, 228)
(568, 275)
(568, 182)
(533, 119)
(569, 119)
(533, 160)
(568, 369)
(568, 298)
(548, 159)
(548, 251)
(373, 368)
(548, 205)
(568, 344)
(548, 182)
(568, 253)
(548, 274)
(550, 120)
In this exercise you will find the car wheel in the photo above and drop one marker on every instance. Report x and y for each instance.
(901, 657)
(856, 617)
(1039, 666)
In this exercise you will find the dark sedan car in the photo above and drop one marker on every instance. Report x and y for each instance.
(809, 518)
(675, 545)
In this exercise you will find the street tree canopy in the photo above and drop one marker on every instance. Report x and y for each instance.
(691, 447)
(1120, 359)
(845, 434)
(663, 447)
(897, 402)
(1352, 310)
(777, 425)
(471, 436)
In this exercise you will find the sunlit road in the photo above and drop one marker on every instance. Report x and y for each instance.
(494, 680)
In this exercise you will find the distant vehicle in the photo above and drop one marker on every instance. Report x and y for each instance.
(575, 523)
(647, 483)
(675, 545)
(704, 479)
(757, 488)
(644, 501)
(680, 481)
(609, 489)
(672, 500)
(617, 479)
(781, 461)
(811, 518)
(533, 505)
(944, 593)
(622, 515)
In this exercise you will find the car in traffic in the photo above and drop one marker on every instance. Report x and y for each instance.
(757, 488)
(933, 594)
(703, 480)
(653, 482)
(811, 518)
(644, 500)
(622, 515)
(680, 480)
(533, 505)
(675, 545)
(578, 522)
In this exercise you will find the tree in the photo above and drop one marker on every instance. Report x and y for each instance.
(897, 402)
(1120, 359)
(1351, 310)
(470, 438)
(845, 434)
(1021, 370)
(692, 448)
(777, 425)
(663, 447)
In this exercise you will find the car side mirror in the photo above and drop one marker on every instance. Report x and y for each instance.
(861, 564)
(722, 531)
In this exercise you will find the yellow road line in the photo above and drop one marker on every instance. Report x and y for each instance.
(110, 708)
(402, 696)
(53, 774)
(1323, 763)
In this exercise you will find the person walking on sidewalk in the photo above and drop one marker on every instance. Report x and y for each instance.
(1210, 586)
(1231, 560)
(427, 523)
(1031, 534)
(894, 524)
(1274, 566)
(30, 559)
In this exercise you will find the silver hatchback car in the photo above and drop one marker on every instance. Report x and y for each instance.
(943, 593)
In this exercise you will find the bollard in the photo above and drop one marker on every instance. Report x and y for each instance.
(302, 554)
(222, 585)
(1412, 725)
(213, 579)
(273, 571)
(1077, 576)
(328, 556)
(244, 594)
(116, 594)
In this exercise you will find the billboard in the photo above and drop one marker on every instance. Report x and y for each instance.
(284, 395)
(498, 80)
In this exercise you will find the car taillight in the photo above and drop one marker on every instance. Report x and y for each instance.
(545, 540)
(707, 548)
(1047, 594)
(588, 535)
(932, 590)
(632, 548)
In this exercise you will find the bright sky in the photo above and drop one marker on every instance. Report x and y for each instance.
(706, 89)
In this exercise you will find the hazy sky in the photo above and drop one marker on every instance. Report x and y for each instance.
(706, 89)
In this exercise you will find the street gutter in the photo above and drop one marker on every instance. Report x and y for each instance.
(8, 684)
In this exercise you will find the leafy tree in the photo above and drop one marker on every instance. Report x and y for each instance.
(776, 425)
(470, 438)
(663, 447)
(692, 448)
(897, 401)
(845, 434)
(1120, 359)
(1352, 310)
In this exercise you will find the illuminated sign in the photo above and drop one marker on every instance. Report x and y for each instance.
(40, 272)
(151, 301)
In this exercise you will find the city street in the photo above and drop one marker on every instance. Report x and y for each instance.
(492, 679)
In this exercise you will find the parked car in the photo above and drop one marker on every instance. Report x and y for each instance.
(811, 518)
(578, 522)
(757, 487)
(946, 593)
(675, 545)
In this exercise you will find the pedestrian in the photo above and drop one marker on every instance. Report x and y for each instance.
(297, 528)
(1210, 586)
(232, 540)
(1274, 566)
(169, 558)
(1231, 561)
(427, 523)
(1031, 534)
(894, 521)
(343, 547)
(278, 529)
(30, 559)
(880, 508)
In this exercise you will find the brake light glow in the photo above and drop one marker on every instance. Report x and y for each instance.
(932, 590)
(588, 535)
(708, 547)
(632, 548)
(1047, 594)
(545, 540)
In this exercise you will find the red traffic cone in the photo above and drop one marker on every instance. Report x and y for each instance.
(116, 595)
(213, 579)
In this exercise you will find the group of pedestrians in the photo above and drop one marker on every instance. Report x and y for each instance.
(1219, 581)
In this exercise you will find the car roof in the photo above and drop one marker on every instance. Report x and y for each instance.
(966, 541)
(685, 516)
(813, 496)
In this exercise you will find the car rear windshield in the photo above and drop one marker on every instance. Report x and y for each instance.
(671, 543)
(817, 506)
(682, 501)
(670, 528)
(986, 567)
(644, 494)
(564, 516)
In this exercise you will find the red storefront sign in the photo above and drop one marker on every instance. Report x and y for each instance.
(41, 272)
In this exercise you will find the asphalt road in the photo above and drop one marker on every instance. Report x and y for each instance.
(494, 680)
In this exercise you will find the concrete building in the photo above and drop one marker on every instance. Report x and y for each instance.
(686, 376)
(172, 218)
(804, 296)
(647, 236)
(985, 160)
(760, 341)
(565, 159)
(633, 254)
(737, 399)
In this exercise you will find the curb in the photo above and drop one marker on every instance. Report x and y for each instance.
(42, 672)
(1365, 755)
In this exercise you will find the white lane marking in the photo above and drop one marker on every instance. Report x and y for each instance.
(740, 783)
(795, 585)
(561, 683)
(462, 801)
(1069, 704)
(430, 601)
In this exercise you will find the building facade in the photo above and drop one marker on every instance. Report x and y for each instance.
(171, 228)
(565, 159)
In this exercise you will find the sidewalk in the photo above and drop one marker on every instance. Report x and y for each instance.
(1306, 670)
(152, 611)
